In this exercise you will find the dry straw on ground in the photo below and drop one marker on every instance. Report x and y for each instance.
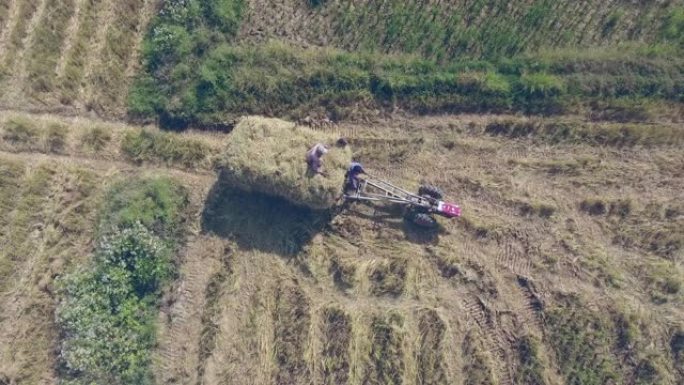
(269, 156)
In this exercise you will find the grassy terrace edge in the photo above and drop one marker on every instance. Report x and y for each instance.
(197, 71)
(277, 79)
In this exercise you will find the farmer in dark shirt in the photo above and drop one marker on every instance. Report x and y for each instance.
(355, 169)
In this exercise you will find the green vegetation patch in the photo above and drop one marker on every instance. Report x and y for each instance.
(276, 78)
(157, 203)
(178, 38)
(584, 343)
(195, 72)
(673, 26)
(487, 28)
(107, 309)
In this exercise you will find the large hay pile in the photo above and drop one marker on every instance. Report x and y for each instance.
(269, 156)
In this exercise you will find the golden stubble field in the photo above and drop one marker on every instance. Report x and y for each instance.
(558, 242)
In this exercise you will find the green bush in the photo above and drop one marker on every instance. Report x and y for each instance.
(157, 203)
(225, 15)
(146, 258)
(105, 311)
(107, 330)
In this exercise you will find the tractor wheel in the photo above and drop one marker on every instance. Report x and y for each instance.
(431, 191)
(424, 220)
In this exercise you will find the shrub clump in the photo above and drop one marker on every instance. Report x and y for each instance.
(105, 315)
(157, 203)
(268, 156)
(106, 310)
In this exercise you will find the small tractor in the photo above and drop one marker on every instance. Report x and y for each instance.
(421, 207)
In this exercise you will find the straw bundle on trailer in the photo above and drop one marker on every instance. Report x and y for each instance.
(269, 156)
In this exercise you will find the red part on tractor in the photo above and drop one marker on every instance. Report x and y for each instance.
(449, 210)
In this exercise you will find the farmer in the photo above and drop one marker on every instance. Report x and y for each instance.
(355, 169)
(313, 158)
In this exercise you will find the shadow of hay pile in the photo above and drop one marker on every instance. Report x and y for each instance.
(262, 222)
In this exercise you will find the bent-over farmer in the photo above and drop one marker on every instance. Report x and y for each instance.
(313, 158)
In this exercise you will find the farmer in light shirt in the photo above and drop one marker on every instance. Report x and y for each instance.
(313, 158)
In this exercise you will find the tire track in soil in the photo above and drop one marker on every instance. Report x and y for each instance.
(492, 337)
(513, 257)
(182, 312)
(533, 303)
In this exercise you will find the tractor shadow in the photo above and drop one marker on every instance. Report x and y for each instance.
(259, 221)
(393, 217)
